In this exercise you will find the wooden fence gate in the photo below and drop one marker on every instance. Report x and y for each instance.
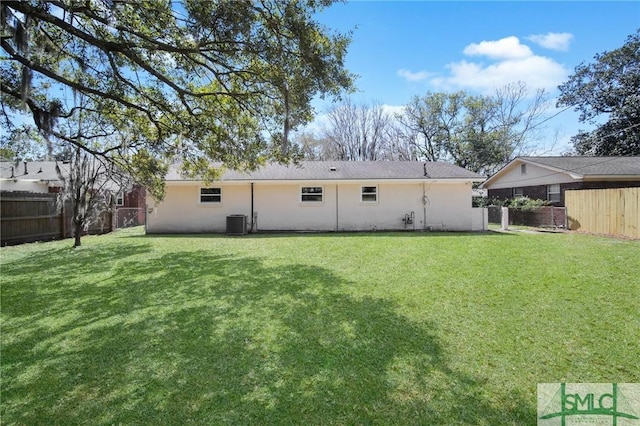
(28, 217)
(605, 211)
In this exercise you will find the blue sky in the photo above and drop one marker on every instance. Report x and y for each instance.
(401, 49)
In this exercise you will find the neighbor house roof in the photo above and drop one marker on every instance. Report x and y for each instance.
(580, 168)
(44, 171)
(344, 170)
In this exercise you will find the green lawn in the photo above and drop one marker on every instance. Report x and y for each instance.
(384, 328)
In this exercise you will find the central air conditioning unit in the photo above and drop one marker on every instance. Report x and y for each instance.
(236, 224)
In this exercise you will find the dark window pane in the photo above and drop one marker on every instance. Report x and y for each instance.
(314, 198)
(210, 191)
(312, 190)
(210, 199)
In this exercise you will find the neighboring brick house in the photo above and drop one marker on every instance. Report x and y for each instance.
(130, 206)
(547, 178)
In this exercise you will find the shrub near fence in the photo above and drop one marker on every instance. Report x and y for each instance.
(543, 217)
(27, 217)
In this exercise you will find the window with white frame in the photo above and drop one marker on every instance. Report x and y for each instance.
(120, 199)
(523, 169)
(210, 195)
(369, 194)
(553, 193)
(311, 194)
(518, 192)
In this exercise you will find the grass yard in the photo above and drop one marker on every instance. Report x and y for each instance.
(386, 328)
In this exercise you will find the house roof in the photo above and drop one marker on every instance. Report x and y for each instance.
(41, 171)
(580, 168)
(591, 166)
(344, 170)
(31, 170)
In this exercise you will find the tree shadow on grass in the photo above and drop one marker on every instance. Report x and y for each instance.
(212, 339)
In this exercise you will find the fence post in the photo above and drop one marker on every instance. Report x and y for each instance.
(504, 220)
(63, 222)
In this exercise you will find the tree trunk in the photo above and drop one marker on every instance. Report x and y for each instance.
(77, 234)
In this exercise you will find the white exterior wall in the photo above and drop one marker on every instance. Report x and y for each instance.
(536, 175)
(480, 219)
(181, 210)
(449, 207)
(278, 207)
(394, 202)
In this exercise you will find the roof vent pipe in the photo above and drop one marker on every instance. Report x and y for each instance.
(25, 168)
(424, 167)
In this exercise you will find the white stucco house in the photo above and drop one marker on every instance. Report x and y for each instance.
(322, 196)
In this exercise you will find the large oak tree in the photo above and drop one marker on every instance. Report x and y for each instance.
(609, 88)
(193, 80)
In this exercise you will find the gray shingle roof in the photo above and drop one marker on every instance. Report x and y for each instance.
(346, 170)
(591, 166)
(36, 170)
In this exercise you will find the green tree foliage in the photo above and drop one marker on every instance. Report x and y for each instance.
(23, 143)
(608, 87)
(480, 133)
(193, 80)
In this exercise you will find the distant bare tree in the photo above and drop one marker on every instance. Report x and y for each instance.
(401, 144)
(88, 184)
(358, 132)
(520, 116)
(314, 148)
(89, 180)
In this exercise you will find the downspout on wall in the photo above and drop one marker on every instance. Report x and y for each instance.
(337, 211)
(425, 201)
(252, 214)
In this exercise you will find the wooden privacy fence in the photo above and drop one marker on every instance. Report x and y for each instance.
(605, 211)
(27, 217)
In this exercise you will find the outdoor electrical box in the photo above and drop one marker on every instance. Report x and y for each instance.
(236, 224)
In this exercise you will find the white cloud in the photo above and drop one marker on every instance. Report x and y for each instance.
(510, 61)
(505, 48)
(393, 110)
(553, 41)
(413, 76)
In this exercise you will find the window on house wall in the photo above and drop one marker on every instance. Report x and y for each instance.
(369, 194)
(523, 169)
(311, 194)
(518, 192)
(120, 199)
(210, 195)
(553, 193)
